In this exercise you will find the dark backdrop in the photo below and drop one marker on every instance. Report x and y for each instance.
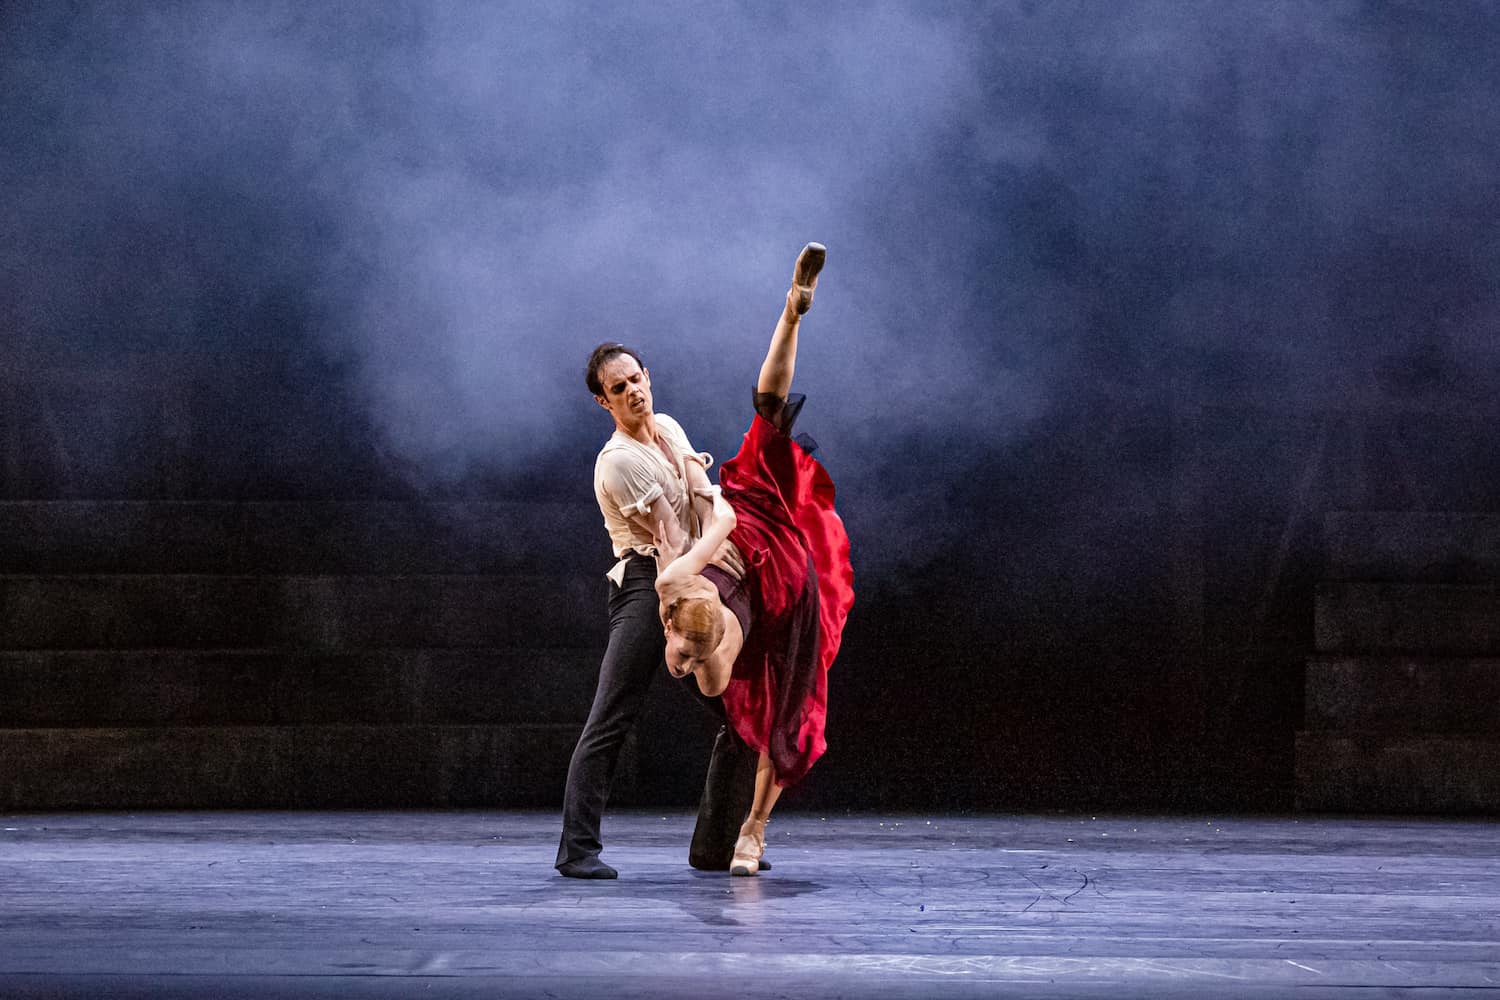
(1121, 298)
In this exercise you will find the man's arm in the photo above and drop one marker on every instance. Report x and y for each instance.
(661, 523)
(631, 485)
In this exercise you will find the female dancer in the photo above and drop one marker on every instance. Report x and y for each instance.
(756, 607)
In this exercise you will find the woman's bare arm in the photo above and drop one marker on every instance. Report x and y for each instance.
(692, 562)
(717, 670)
(714, 676)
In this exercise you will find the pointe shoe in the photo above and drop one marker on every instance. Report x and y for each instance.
(805, 276)
(749, 848)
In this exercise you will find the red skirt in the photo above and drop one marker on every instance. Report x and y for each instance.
(799, 586)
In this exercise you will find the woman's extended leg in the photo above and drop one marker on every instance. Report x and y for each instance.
(752, 842)
(781, 358)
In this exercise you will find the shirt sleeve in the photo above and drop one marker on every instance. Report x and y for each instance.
(628, 481)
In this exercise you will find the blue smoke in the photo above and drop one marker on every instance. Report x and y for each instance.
(449, 205)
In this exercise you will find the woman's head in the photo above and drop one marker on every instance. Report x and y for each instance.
(694, 628)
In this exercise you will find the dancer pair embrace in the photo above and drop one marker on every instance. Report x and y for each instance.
(747, 585)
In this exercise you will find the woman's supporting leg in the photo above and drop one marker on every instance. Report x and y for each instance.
(752, 842)
(781, 358)
(766, 789)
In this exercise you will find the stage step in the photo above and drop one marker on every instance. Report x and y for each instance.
(318, 612)
(1385, 773)
(298, 538)
(1402, 700)
(1413, 546)
(300, 654)
(1403, 694)
(283, 687)
(1434, 619)
(232, 767)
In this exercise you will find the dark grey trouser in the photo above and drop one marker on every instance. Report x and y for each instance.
(632, 659)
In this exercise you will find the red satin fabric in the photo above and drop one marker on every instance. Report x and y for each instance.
(797, 556)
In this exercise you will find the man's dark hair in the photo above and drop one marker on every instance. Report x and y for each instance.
(602, 354)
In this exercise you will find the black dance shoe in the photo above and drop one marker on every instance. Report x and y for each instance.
(586, 868)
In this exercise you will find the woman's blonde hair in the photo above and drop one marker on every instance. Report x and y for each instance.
(697, 619)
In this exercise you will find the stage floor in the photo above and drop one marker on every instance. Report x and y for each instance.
(466, 904)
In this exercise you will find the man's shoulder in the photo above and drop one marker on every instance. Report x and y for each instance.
(620, 452)
(669, 428)
(615, 447)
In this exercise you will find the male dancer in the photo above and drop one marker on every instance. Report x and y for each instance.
(647, 477)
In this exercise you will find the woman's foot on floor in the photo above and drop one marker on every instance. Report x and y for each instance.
(749, 848)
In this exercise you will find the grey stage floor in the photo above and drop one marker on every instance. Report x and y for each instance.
(439, 904)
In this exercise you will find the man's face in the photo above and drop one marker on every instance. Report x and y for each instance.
(627, 390)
